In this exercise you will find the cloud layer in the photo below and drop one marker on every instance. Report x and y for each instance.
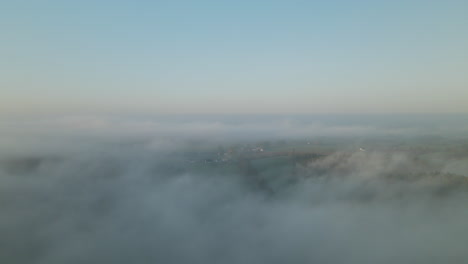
(123, 193)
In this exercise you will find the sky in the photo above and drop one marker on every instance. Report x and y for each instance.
(234, 56)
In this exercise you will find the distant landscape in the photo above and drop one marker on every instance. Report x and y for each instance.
(233, 132)
(278, 189)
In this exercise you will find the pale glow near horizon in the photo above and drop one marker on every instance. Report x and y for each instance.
(239, 57)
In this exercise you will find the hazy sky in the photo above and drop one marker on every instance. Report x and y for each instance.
(234, 56)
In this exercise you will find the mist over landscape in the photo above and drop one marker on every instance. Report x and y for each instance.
(233, 132)
(233, 189)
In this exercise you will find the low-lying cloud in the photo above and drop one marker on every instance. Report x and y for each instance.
(107, 191)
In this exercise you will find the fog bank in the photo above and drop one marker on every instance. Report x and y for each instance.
(81, 190)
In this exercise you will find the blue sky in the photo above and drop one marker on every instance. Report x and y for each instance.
(234, 56)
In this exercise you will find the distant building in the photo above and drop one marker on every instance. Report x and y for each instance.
(257, 149)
